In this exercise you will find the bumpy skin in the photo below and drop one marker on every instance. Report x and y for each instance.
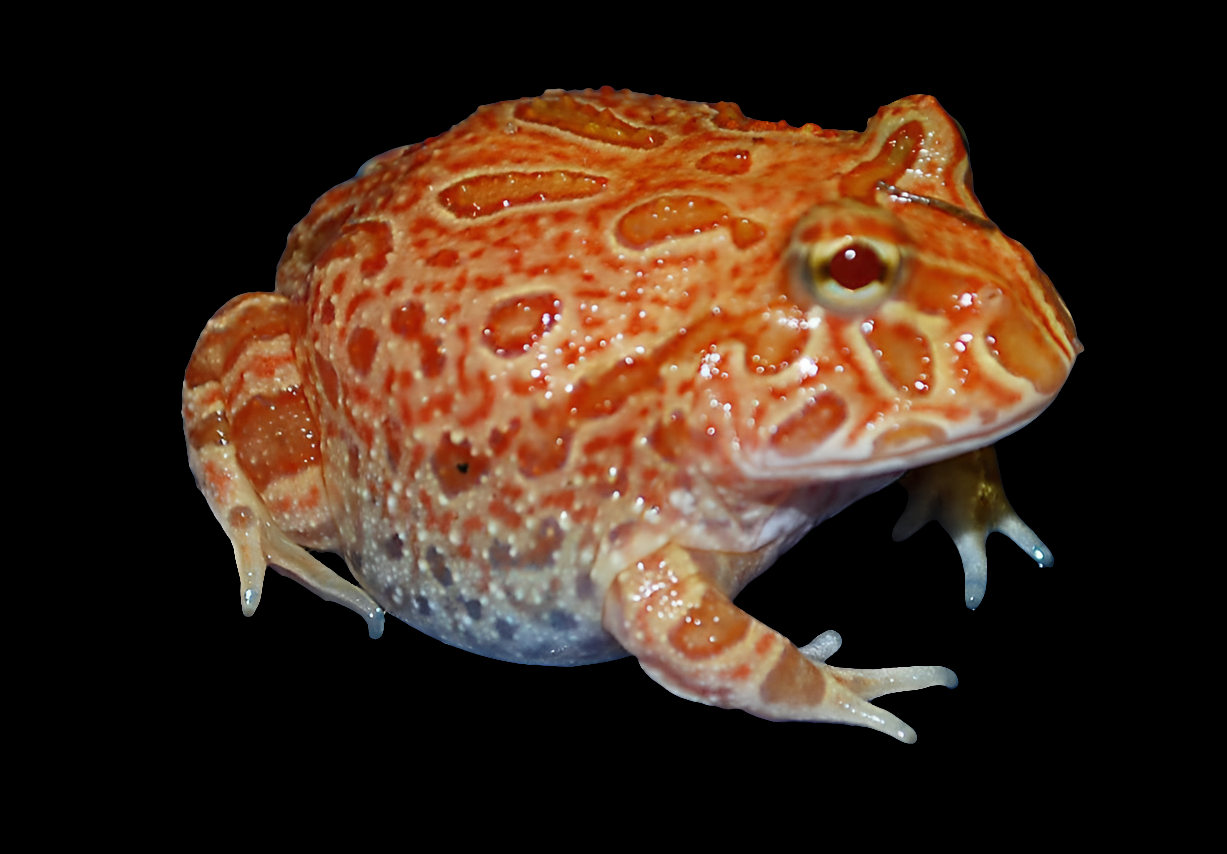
(591, 348)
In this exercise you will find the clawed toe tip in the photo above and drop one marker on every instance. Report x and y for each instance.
(973, 595)
(949, 679)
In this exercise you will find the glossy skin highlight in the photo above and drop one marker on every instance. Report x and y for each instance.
(558, 383)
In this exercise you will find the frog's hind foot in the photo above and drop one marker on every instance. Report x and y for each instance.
(965, 496)
(691, 639)
(243, 406)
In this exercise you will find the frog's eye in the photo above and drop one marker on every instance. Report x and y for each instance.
(850, 275)
(847, 256)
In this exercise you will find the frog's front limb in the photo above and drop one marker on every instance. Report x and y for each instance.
(694, 641)
(965, 496)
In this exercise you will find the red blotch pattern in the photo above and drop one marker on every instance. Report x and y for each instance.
(515, 324)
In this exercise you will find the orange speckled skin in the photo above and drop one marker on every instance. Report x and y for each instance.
(573, 330)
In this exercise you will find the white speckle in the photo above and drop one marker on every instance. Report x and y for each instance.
(806, 367)
(683, 500)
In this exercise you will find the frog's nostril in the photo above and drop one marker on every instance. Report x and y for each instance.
(857, 266)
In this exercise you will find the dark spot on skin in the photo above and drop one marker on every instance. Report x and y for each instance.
(584, 588)
(500, 556)
(437, 567)
(505, 628)
(423, 606)
(561, 620)
(621, 533)
(454, 463)
(394, 547)
(549, 540)
(241, 517)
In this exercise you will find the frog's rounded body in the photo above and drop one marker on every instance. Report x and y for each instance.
(595, 334)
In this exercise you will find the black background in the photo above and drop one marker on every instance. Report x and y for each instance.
(247, 156)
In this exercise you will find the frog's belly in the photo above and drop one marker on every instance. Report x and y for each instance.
(536, 615)
(547, 609)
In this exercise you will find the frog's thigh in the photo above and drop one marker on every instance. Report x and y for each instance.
(695, 642)
(965, 496)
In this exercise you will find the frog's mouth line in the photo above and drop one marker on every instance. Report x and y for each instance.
(768, 464)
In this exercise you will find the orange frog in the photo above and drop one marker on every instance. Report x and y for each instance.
(560, 382)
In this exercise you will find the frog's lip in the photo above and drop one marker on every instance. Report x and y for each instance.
(821, 464)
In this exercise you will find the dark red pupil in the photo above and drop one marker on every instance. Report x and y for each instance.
(856, 266)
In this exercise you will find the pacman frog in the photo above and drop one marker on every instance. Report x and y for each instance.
(559, 383)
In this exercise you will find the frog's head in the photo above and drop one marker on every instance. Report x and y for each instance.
(922, 331)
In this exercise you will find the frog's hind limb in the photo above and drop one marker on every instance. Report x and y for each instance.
(694, 641)
(964, 495)
(253, 447)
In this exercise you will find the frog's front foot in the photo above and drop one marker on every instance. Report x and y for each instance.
(965, 496)
(693, 640)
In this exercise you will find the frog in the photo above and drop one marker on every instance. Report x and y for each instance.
(560, 382)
